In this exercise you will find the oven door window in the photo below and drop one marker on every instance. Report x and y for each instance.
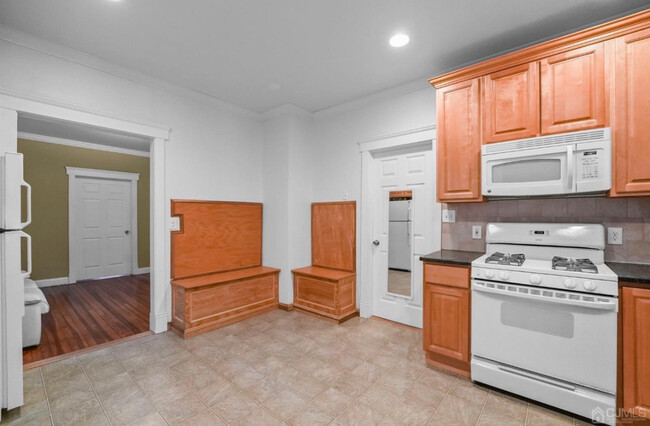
(538, 319)
(532, 170)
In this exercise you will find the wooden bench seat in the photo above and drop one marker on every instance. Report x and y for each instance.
(206, 302)
(328, 287)
(217, 271)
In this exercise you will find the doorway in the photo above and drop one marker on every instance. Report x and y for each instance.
(400, 221)
(102, 223)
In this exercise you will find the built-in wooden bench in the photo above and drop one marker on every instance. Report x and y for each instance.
(217, 271)
(328, 287)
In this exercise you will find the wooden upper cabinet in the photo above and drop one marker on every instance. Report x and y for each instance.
(636, 351)
(510, 104)
(632, 130)
(459, 142)
(573, 90)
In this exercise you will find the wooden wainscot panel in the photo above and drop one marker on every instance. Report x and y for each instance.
(215, 236)
(333, 235)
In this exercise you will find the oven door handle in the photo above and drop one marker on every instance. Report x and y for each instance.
(610, 305)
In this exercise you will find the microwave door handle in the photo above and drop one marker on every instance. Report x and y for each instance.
(569, 166)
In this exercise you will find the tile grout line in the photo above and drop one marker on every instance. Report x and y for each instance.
(47, 399)
(139, 387)
(101, 404)
(443, 399)
(483, 407)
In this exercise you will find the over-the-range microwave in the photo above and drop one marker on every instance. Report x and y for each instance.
(576, 163)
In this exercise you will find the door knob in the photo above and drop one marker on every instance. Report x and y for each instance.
(127, 232)
(375, 243)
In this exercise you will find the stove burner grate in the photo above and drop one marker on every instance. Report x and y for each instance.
(506, 259)
(574, 265)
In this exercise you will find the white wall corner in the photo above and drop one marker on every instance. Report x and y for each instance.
(158, 323)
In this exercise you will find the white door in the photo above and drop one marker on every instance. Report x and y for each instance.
(102, 235)
(412, 170)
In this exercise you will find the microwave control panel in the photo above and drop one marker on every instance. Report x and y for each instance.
(588, 164)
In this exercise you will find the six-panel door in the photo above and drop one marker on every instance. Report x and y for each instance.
(632, 130)
(510, 104)
(459, 143)
(573, 90)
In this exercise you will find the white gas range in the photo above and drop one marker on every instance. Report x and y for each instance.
(544, 316)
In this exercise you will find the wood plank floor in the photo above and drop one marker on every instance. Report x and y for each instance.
(89, 313)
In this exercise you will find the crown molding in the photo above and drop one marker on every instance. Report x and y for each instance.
(393, 92)
(80, 144)
(38, 44)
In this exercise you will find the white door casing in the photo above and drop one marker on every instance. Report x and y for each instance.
(409, 139)
(406, 171)
(102, 223)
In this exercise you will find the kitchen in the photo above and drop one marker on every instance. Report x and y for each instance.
(333, 163)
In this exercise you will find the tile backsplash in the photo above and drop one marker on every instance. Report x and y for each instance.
(631, 214)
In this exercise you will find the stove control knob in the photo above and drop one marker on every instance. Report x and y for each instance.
(489, 273)
(590, 285)
(535, 279)
(505, 276)
(569, 283)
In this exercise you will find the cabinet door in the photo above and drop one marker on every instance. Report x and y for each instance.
(459, 142)
(636, 351)
(510, 104)
(573, 90)
(632, 131)
(446, 321)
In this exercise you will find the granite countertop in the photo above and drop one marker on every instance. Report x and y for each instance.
(453, 257)
(631, 272)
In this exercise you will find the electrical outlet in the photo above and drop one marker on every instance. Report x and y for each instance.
(449, 216)
(615, 236)
(477, 231)
(345, 196)
(175, 223)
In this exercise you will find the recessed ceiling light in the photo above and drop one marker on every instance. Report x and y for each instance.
(399, 40)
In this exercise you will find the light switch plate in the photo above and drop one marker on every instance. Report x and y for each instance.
(345, 196)
(477, 231)
(615, 236)
(449, 216)
(175, 223)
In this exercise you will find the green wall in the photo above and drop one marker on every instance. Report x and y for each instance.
(45, 165)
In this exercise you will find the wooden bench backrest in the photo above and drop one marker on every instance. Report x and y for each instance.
(215, 236)
(334, 234)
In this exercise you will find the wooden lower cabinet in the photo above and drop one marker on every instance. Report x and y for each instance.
(636, 350)
(446, 324)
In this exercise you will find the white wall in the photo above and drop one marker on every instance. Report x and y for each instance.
(214, 151)
(337, 132)
(287, 193)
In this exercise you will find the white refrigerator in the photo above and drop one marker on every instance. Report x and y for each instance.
(12, 277)
(399, 235)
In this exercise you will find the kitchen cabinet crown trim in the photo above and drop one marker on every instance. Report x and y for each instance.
(589, 36)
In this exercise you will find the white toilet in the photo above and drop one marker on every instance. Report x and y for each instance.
(35, 306)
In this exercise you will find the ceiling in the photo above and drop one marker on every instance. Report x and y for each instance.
(46, 126)
(314, 54)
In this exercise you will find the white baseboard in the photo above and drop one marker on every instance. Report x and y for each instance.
(158, 323)
(51, 282)
(138, 271)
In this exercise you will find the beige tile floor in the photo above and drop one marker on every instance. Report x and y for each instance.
(280, 367)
